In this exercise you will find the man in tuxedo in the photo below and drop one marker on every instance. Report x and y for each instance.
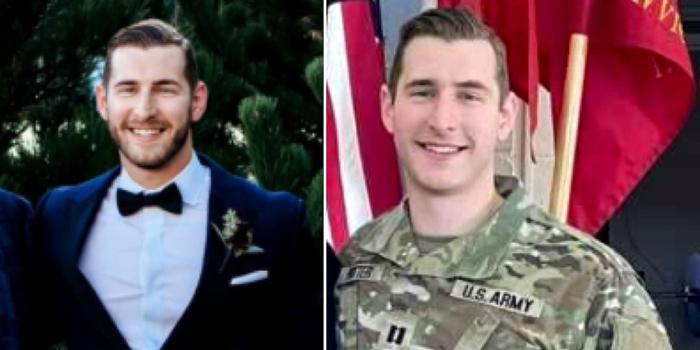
(14, 217)
(169, 250)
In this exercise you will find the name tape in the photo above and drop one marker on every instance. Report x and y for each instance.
(360, 272)
(500, 298)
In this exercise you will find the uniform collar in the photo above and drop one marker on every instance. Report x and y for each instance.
(190, 182)
(475, 256)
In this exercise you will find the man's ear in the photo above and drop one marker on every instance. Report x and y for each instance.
(387, 105)
(101, 100)
(200, 96)
(506, 116)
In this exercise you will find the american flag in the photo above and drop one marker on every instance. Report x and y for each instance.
(362, 172)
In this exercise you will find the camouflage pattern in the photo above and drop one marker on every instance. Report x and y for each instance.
(521, 281)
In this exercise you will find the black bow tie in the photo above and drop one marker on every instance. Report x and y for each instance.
(168, 199)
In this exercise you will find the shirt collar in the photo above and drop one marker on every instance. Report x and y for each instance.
(476, 255)
(190, 181)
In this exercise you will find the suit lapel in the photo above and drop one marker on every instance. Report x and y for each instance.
(197, 315)
(80, 215)
(199, 323)
(223, 196)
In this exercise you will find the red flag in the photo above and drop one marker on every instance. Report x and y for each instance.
(638, 92)
(362, 176)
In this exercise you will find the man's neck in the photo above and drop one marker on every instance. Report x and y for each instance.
(452, 214)
(154, 178)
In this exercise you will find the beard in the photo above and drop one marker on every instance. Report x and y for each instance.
(156, 156)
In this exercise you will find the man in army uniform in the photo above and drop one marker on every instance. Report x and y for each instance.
(461, 263)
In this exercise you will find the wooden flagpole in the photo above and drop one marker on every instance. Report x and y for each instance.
(566, 134)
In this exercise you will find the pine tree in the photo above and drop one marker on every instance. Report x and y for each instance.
(277, 162)
(314, 192)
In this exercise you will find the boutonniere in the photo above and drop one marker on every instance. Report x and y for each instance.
(237, 236)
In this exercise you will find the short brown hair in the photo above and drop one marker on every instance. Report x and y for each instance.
(148, 33)
(449, 25)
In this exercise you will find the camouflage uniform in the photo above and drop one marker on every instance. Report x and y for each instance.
(520, 281)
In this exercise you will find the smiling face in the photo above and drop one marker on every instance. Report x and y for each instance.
(446, 118)
(149, 106)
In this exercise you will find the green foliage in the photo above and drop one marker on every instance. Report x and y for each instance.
(314, 205)
(81, 146)
(314, 78)
(314, 196)
(276, 163)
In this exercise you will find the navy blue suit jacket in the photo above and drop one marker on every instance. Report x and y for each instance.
(281, 311)
(14, 219)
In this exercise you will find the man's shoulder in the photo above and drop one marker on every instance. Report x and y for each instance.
(13, 206)
(86, 187)
(275, 210)
(255, 196)
(544, 238)
(374, 232)
(57, 198)
(568, 258)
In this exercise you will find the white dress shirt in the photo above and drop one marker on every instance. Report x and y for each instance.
(145, 267)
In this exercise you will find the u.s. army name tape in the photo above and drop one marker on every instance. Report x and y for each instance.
(500, 298)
